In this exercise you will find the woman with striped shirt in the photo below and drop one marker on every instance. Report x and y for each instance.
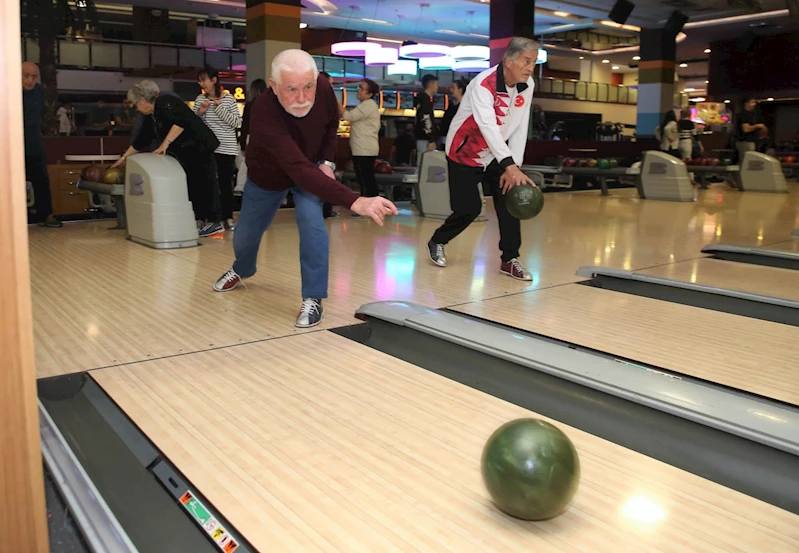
(220, 112)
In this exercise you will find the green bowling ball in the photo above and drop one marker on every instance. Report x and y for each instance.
(530, 469)
(614, 163)
(603, 164)
(524, 201)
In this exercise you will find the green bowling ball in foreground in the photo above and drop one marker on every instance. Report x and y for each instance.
(524, 201)
(531, 469)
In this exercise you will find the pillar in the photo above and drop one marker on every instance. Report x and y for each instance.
(509, 18)
(23, 522)
(272, 27)
(655, 79)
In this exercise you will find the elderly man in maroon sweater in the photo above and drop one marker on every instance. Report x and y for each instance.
(292, 144)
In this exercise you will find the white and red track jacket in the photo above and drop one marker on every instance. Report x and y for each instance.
(491, 122)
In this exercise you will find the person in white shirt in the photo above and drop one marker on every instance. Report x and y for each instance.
(65, 125)
(365, 125)
(486, 143)
(220, 112)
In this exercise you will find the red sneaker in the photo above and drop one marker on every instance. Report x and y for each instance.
(227, 282)
(515, 269)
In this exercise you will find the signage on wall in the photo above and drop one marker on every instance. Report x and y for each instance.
(189, 90)
(542, 56)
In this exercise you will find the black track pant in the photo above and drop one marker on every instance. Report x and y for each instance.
(464, 198)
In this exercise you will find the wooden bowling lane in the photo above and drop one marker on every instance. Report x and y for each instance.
(100, 300)
(747, 354)
(743, 277)
(317, 443)
(788, 245)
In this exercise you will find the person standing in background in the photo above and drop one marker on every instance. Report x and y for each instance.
(749, 128)
(687, 130)
(426, 128)
(35, 154)
(65, 123)
(257, 87)
(364, 143)
(669, 134)
(220, 112)
(457, 90)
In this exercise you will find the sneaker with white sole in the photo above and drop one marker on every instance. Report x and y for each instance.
(310, 313)
(515, 269)
(228, 281)
(230, 225)
(210, 229)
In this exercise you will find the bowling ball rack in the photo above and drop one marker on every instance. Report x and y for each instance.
(116, 191)
(602, 175)
(705, 171)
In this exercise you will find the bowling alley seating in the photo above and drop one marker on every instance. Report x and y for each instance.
(157, 202)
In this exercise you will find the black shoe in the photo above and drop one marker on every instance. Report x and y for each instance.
(210, 229)
(310, 313)
(437, 254)
(51, 222)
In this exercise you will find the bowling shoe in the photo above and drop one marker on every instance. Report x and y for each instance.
(310, 313)
(228, 281)
(515, 269)
(437, 254)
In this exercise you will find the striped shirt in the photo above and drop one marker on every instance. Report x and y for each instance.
(223, 120)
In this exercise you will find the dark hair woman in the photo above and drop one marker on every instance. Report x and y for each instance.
(219, 110)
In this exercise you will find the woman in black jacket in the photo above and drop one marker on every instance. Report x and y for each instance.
(185, 137)
(457, 91)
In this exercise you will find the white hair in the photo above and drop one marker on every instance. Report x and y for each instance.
(145, 90)
(293, 61)
(518, 45)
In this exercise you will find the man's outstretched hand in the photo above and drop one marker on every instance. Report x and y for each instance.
(513, 176)
(376, 208)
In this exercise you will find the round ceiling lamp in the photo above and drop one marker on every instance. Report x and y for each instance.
(353, 49)
(421, 51)
(381, 57)
(403, 67)
(440, 63)
(471, 53)
(471, 66)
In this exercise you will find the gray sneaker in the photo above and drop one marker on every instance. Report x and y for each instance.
(211, 229)
(310, 313)
(437, 254)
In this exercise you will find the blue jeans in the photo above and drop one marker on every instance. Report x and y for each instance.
(258, 209)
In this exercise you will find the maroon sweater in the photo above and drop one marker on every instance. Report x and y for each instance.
(284, 150)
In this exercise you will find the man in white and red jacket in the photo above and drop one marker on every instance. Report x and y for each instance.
(485, 143)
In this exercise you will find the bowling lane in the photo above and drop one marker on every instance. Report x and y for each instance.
(743, 277)
(317, 443)
(788, 246)
(748, 354)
